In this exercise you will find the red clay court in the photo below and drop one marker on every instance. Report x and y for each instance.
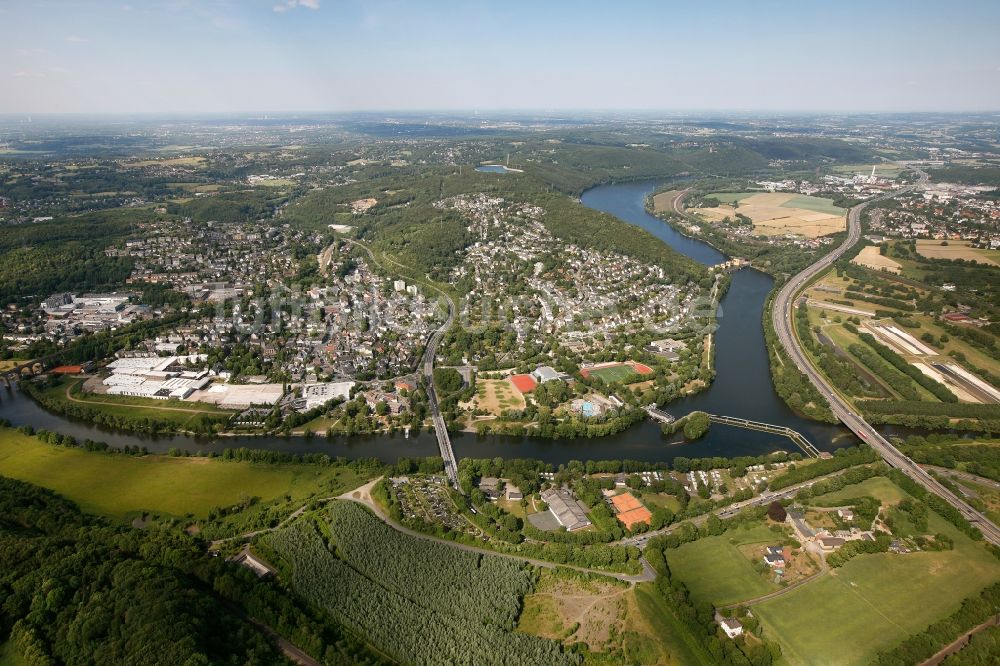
(524, 383)
(630, 510)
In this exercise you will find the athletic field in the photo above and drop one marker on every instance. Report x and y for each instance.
(618, 372)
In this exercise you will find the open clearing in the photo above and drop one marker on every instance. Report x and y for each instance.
(932, 249)
(120, 486)
(875, 601)
(776, 213)
(715, 570)
(664, 201)
(871, 257)
(608, 616)
(889, 170)
(173, 161)
(497, 396)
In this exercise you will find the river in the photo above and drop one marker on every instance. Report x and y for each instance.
(742, 388)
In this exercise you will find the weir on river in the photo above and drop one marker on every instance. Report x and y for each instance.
(742, 389)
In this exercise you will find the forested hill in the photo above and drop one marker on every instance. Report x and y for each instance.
(75, 590)
(406, 224)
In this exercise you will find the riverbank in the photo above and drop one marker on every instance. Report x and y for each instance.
(742, 387)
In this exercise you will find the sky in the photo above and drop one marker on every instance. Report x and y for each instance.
(184, 56)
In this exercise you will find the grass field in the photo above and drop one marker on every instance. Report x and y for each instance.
(776, 213)
(497, 395)
(610, 618)
(120, 487)
(177, 412)
(681, 646)
(871, 257)
(173, 161)
(275, 182)
(715, 570)
(933, 249)
(614, 373)
(887, 170)
(878, 487)
(664, 201)
(196, 187)
(662, 500)
(875, 601)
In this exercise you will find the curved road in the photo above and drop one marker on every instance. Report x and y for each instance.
(427, 364)
(782, 315)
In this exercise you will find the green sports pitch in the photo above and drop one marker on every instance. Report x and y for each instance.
(617, 373)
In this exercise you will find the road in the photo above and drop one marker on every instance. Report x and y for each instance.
(782, 315)
(363, 496)
(731, 510)
(427, 365)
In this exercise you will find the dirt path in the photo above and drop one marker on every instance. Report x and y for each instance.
(960, 642)
(363, 496)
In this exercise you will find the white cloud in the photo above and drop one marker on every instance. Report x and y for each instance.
(76, 39)
(23, 74)
(292, 4)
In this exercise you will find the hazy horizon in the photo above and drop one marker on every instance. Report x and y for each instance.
(188, 57)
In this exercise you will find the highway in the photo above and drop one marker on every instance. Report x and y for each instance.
(782, 316)
(768, 496)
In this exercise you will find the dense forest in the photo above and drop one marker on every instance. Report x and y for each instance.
(78, 591)
(421, 602)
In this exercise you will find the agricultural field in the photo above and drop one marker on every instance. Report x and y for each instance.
(497, 396)
(120, 487)
(275, 182)
(934, 249)
(172, 161)
(778, 213)
(716, 570)
(887, 170)
(663, 202)
(871, 257)
(875, 601)
(196, 187)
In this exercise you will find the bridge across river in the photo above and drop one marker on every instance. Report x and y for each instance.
(794, 435)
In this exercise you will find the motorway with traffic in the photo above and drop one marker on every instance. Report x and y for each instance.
(782, 316)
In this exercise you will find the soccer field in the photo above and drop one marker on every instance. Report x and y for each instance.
(875, 601)
(616, 373)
